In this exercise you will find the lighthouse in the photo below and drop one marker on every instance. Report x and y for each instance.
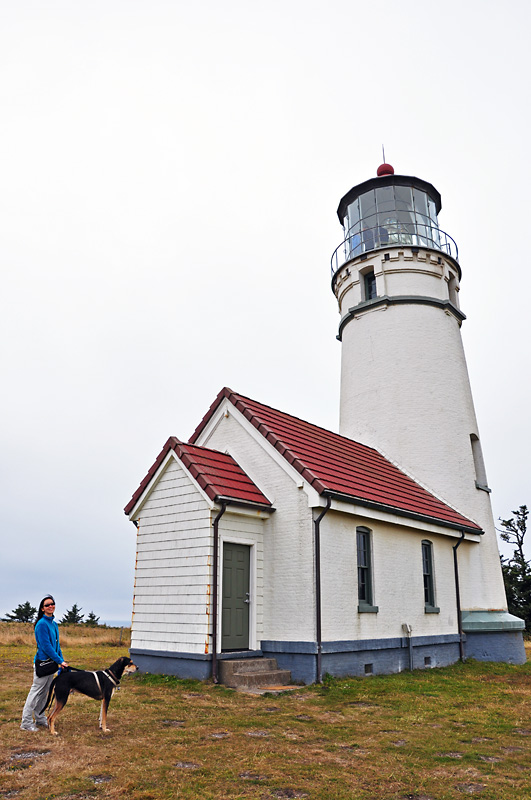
(405, 388)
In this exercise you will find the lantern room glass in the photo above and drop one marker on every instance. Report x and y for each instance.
(391, 215)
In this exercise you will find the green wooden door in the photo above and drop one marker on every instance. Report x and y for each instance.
(235, 605)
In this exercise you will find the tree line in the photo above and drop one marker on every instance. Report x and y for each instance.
(25, 612)
(517, 569)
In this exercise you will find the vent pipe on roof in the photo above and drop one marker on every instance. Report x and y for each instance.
(317, 546)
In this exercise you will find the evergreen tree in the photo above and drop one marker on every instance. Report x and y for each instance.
(24, 612)
(92, 620)
(517, 570)
(73, 616)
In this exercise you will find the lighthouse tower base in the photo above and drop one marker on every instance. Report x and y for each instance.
(494, 636)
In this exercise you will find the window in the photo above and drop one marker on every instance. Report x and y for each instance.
(427, 573)
(365, 599)
(369, 283)
(452, 289)
(479, 464)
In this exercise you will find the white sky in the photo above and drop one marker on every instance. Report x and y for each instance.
(169, 178)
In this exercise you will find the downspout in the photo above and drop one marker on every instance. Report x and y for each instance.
(458, 599)
(215, 525)
(317, 545)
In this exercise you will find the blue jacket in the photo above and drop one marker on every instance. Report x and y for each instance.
(47, 636)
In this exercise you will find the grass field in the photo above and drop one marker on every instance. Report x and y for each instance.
(438, 734)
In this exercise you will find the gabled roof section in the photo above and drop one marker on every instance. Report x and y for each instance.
(338, 466)
(217, 474)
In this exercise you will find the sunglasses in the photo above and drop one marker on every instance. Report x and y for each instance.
(48, 605)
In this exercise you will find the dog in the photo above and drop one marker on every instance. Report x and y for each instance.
(99, 685)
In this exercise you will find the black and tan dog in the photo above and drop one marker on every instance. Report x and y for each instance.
(99, 685)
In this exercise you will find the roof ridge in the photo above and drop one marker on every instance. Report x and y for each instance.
(278, 444)
(225, 392)
(304, 422)
(228, 393)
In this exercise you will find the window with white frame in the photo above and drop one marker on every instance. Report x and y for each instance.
(427, 574)
(365, 570)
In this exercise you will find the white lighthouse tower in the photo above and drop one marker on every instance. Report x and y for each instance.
(404, 381)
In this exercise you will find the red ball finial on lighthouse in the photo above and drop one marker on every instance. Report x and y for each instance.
(385, 169)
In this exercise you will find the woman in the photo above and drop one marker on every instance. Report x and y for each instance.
(47, 636)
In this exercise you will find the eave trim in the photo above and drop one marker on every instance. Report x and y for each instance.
(400, 512)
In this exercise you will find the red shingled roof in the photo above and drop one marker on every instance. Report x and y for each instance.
(217, 473)
(334, 464)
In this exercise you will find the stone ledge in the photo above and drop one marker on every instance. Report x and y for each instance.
(480, 621)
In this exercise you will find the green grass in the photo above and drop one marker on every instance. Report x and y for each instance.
(441, 734)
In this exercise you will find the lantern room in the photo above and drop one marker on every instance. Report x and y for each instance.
(390, 211)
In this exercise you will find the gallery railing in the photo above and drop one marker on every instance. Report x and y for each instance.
(379, 237)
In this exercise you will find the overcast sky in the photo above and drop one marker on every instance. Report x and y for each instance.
(169, 178)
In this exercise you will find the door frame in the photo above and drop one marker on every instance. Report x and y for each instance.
(229, 539)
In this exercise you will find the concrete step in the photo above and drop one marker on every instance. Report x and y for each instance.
(252, 673)
(241, 665)
(276, 677)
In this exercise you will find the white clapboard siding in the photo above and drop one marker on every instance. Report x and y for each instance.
(168, 561)
(150, 546)
(168, 509)
(153, 604)
(168, 581)
(173, 570)
(162, 593)
(165, 531)
(177, 632)
(172, 623)
(180, 576)
(166, 645)
(169, 645)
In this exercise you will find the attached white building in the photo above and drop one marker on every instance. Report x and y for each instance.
(371, 551)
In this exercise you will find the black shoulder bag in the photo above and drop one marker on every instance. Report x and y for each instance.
(47, 666)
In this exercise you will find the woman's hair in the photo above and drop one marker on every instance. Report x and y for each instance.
(40, 612)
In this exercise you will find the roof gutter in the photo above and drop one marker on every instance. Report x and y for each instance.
(399, 512)
(317, 546)
(220, 498)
